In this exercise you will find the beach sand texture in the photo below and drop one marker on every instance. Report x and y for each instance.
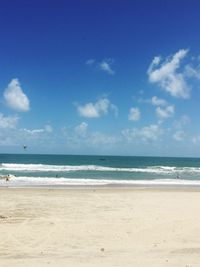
(100, 227)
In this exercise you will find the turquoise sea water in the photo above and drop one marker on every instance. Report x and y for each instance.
(36, 170)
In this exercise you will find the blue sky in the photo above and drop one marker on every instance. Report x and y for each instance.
(100, 77)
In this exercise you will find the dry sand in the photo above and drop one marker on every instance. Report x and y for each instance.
(93, 228)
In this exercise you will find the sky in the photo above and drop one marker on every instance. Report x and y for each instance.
(100, 77)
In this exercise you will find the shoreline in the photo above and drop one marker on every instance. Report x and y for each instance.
(25, 182)
(106, 187)
(91, 189)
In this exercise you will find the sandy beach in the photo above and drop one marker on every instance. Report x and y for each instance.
(100, 227)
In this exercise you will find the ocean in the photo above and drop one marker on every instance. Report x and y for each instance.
(71, 170)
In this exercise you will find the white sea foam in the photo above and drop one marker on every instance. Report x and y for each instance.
(71, 168)
(48, 181)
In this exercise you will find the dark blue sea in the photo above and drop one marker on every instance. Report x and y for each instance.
(61, 170)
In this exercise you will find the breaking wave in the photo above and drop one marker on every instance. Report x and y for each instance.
(71, 168)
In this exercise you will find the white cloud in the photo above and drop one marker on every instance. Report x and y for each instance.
(48, 128)
(81, 129)
(134, 114)
(166, 75)
(184, 120)
(34, 131)
(164, 113)
(158, 101)
(179, 127)
(105, 65)
(147, 133)
(15, 97)
(192, 72)
(88, 110)
(95, 110)
(8, 122)
(155, 101)
(179, 136)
